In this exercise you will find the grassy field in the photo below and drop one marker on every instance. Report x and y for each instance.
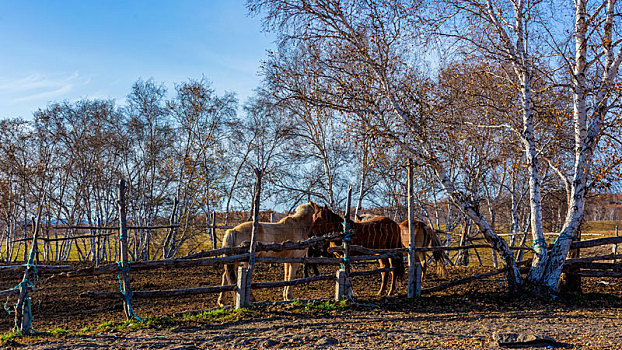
(202, 241)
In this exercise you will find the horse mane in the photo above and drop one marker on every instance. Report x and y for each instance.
(301, 211)
(366, 217)
(335, 216)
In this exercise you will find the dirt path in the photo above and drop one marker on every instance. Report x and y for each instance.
(367, 328)
(460, 318)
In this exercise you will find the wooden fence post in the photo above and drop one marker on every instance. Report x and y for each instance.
(124, 264)
(411, 235)
(242, 297)
(417, 279)
(244, 290)
(572, 280)
(614, 247)
(463, 255)
(344, 272)
(213, 230)
(23, 311)
(340, 285)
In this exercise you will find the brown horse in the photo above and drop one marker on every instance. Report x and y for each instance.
(424, 237)
(294, 227)
(376, 233)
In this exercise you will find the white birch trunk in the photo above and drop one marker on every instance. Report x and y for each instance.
(587, 134)
(538, 263)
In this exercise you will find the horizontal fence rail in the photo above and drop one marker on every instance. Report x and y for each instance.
(589, 266)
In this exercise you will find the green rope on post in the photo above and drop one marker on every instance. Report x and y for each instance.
(127, 295)
(539, 243)
(25, 284)
(123, 268)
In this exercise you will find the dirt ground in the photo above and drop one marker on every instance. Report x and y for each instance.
(462, 317)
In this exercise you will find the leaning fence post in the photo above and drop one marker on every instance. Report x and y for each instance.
(242, 296)
(340, 285)
(345, 263)
(418, 277)
(614, 247)
(411, 236)
(244, 285)
(124, 264)
(23, 311)
(213, 230)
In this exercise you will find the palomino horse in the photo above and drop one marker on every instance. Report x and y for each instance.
(376, 233)
(294, 227)
(424, 237)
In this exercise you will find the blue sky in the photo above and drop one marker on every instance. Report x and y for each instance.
(52, 51)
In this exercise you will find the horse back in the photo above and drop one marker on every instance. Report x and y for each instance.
(421, 234)
(267, 233)
(377, 233)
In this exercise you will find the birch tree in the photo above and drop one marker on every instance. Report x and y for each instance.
(592, 62)
(361, 49)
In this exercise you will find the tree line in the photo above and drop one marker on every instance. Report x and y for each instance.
(522, 87)
(510, 110)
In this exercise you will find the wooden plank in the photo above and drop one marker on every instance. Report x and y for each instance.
(599, 273)
(370, 272)
(160, 293)
(40, 268)
(9, 292)
(425, 249)
(593, 258)
(263, 247)
(260, 285)
(216, 252)
(595, 242)
(302, 260)
(458, 282)
(593, 265)
(149, 265)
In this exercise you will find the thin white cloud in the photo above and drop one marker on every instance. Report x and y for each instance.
(37, 87)
(45, 95)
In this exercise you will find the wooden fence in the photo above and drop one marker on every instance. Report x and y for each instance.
(588, 267)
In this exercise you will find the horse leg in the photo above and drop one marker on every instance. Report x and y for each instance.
(290, 272)
(393, 286)
(228, 277)
(220, 296)
(420, 257)
(383, 284)
(286, 268)
(310, 266)
(398, 270)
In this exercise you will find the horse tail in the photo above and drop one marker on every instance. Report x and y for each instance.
(439, 255)
(397, 262)
(228, 242)
(398, 266)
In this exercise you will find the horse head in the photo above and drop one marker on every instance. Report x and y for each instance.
(325, 221)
